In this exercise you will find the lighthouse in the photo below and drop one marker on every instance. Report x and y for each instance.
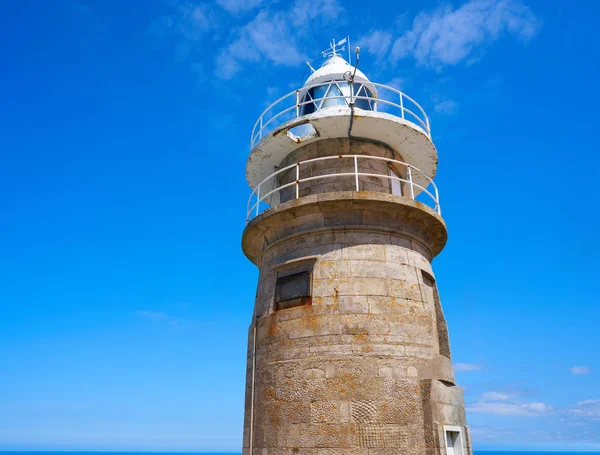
(348, 348)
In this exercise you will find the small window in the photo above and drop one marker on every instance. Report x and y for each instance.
(293, 290)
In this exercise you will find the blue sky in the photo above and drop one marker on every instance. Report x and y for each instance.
(124, 130)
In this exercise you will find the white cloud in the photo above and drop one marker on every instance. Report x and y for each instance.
(448, 36)
(492, 433)
(236, 6)
(377, 43)
(446, 107)
(188, 24)
(587, 408)
(467, 367)
(399, 83)
(580, 370)
(506, 405)
(272, 36)
(158, 317)
(495, 396)
(188, 21)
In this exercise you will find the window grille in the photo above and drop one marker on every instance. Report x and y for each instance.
(293, 290)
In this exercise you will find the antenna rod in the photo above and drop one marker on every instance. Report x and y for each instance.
(349, 53)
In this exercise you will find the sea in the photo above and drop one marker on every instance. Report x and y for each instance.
(475, 452)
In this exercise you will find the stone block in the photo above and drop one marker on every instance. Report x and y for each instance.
(377, 436)
(316, 435)
(365, 252)
(391, 369)
(404, 289)
(352, 388)
(332, 350)
(325, 412)
(411, 275)
(394, 270)
(446, 393)
(301, 389)
(401, 412)
(368, 269)
(345, 412)
(363, 411)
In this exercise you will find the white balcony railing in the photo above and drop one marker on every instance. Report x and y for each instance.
(294, 105)
(415, 184)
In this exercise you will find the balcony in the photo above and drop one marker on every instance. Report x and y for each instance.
(343, 173)
(317, 98)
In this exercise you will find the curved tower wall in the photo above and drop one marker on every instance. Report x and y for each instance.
(366, 365)
(360, 363)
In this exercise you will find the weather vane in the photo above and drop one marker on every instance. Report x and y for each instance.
(335, 48)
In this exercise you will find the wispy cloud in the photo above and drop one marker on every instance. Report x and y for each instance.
(400, 83)
(188, 20)
(273, 36)
(446, 107)
(377, 43)
(236, 6)
(498, 403)
(580, 370)
(467, 367)
(587, 408)
(496, 396)
(188, 23)
(157, 316)
(448, 36)
(491, 433)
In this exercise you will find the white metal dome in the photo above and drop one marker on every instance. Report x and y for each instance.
(337, 69)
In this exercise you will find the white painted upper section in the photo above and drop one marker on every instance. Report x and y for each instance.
(385, 115)
(404, 137)
(335, 68)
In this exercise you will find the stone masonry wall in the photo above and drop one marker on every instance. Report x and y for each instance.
(336, 147)
(360, 370)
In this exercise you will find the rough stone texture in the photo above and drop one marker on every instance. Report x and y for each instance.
(335, 147)
(364, 369)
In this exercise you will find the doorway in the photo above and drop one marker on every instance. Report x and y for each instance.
(454, 444)
(395, 183)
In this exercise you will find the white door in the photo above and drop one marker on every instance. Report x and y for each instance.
(449, 443)
(453, 443)
(396, 185)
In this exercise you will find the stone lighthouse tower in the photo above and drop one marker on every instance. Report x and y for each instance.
(348, 349)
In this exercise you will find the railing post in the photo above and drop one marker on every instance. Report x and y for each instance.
(401, 105)
(437, 201)
(356, 171)
(297, 103)
(297, 179)
(257, 199)
(428, 126)
(261, 128)
(412, 190)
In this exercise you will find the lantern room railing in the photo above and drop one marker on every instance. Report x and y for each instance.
(388, 99)
(262, 196)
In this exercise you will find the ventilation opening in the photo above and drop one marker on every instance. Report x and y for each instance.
(454, 444)
(293, 290)
(442, 327)
(301, 133)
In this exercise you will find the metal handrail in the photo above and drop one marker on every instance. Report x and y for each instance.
(264, 125)
(254, 209)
